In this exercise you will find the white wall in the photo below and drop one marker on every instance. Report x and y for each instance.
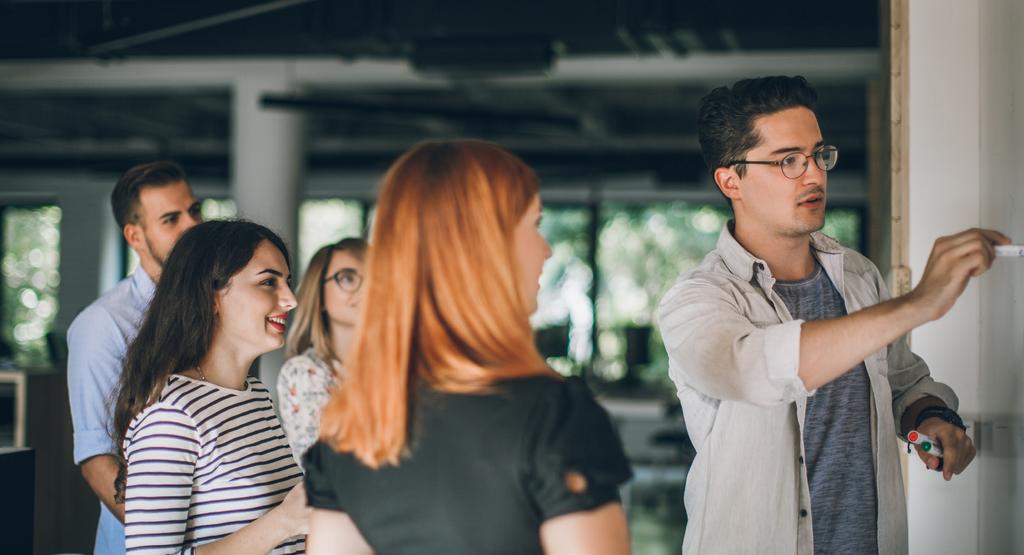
(966, 155)
(1001, 382)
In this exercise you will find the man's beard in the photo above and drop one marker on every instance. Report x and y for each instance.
(801, 229)
(152, 252)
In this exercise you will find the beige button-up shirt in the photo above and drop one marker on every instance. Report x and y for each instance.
(734, 353)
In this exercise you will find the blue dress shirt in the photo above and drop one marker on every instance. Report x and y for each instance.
(97, 341)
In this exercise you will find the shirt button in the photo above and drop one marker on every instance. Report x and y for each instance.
(803, 513)
(801, 459)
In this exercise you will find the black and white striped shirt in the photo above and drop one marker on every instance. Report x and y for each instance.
(203, 462)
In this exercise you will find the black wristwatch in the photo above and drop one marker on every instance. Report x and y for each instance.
(945, 413)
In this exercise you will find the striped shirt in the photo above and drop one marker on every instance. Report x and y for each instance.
(203, 462)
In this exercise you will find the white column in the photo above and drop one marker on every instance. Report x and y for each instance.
(90, 242)
(267, 168)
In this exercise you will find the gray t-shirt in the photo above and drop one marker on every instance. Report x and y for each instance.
(837, 435)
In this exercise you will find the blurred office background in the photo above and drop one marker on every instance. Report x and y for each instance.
(288, 111)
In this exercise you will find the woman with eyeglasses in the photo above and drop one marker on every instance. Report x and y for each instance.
(324, 324)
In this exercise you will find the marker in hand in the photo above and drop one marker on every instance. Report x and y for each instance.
(928, 445)
(1010, 250)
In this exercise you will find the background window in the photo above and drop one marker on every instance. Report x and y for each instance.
(846, 226)
(564, 319)
(325, 221)
(31, 260)
(642, 249)
(218, 209)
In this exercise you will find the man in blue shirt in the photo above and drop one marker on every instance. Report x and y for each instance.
(153, 205)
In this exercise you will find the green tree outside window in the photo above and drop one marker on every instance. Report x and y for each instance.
(31, 260)
(565, 316)
(324, 221)
(642, 250)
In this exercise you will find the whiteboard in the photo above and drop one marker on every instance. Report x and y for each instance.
(1001, 358)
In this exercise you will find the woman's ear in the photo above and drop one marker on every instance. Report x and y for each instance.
(218, 297)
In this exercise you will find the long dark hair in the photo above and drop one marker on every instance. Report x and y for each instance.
(180, 323)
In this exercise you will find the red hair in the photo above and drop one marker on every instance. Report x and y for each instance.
(444, 302)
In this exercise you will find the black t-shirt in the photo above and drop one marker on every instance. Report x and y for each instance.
(482, 473)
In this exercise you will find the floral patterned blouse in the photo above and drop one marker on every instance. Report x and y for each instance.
(303, 387)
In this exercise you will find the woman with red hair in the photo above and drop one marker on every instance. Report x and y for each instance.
(448, 433)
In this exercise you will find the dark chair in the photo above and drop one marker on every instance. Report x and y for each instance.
(17, 481)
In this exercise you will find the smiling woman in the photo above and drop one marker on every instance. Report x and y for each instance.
(204, 459)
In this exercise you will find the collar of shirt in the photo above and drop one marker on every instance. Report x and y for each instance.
(743, 264)
(143, 286)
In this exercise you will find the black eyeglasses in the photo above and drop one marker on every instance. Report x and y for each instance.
(347, 279)
(794, 165)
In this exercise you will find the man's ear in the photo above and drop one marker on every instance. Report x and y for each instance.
(133, 235)
(728, 181)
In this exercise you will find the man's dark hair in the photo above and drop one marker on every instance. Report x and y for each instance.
(725, 119)
(124, 200)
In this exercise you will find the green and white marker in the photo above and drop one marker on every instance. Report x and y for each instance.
(928, 445)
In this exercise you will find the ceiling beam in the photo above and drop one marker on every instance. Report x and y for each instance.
(834, 66)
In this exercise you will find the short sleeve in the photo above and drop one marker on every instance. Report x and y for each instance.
(162, 449)
(574, 458)
(319, 488)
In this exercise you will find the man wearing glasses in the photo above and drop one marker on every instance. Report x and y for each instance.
(789, 358)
